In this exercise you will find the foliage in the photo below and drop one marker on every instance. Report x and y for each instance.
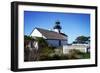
(27, 37)
(81, 39)
(42, 42)
(44, 57)
(85, 55)
(54, 57)
(74, 54)
(63, 57)
(46, 51)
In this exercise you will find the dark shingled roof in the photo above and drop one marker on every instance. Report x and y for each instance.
(51, 34)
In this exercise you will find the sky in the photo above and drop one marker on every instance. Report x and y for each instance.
(73, 24)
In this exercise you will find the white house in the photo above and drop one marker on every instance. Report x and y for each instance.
(54, 38)
(81, 47)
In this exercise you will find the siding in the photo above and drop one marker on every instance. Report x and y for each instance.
(82, 48)
(55, 43)
(64, 42)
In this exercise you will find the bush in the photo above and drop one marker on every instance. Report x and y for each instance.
(64, 57)
(27, 37)
(42, 42)
(46, 51)
(74, 54)
(43, 57)
(85, 55)
(54, 57)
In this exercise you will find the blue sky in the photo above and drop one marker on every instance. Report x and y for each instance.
(73, 24)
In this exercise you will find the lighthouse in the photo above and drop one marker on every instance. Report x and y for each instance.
(57, 28)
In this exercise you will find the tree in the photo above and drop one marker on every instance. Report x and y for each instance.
(27, 37)
(82, 39)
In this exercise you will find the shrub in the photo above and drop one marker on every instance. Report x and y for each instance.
(55, 57)
(44, 53)
(85, 55)
(74, 54)
(42, 42)
(63, 57)
(27, 37)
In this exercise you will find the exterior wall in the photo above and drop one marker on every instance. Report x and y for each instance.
(64, 42)
(36, 33)
(55, 43)
(82, 48)
(82, 44)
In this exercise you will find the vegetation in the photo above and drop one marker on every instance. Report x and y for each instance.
(54, 57)
(42, 43)
(85, 55)
(46, 52)
(76, 54)
(27, 37)
(81, 39)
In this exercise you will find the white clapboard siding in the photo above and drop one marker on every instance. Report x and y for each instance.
(66, 48)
